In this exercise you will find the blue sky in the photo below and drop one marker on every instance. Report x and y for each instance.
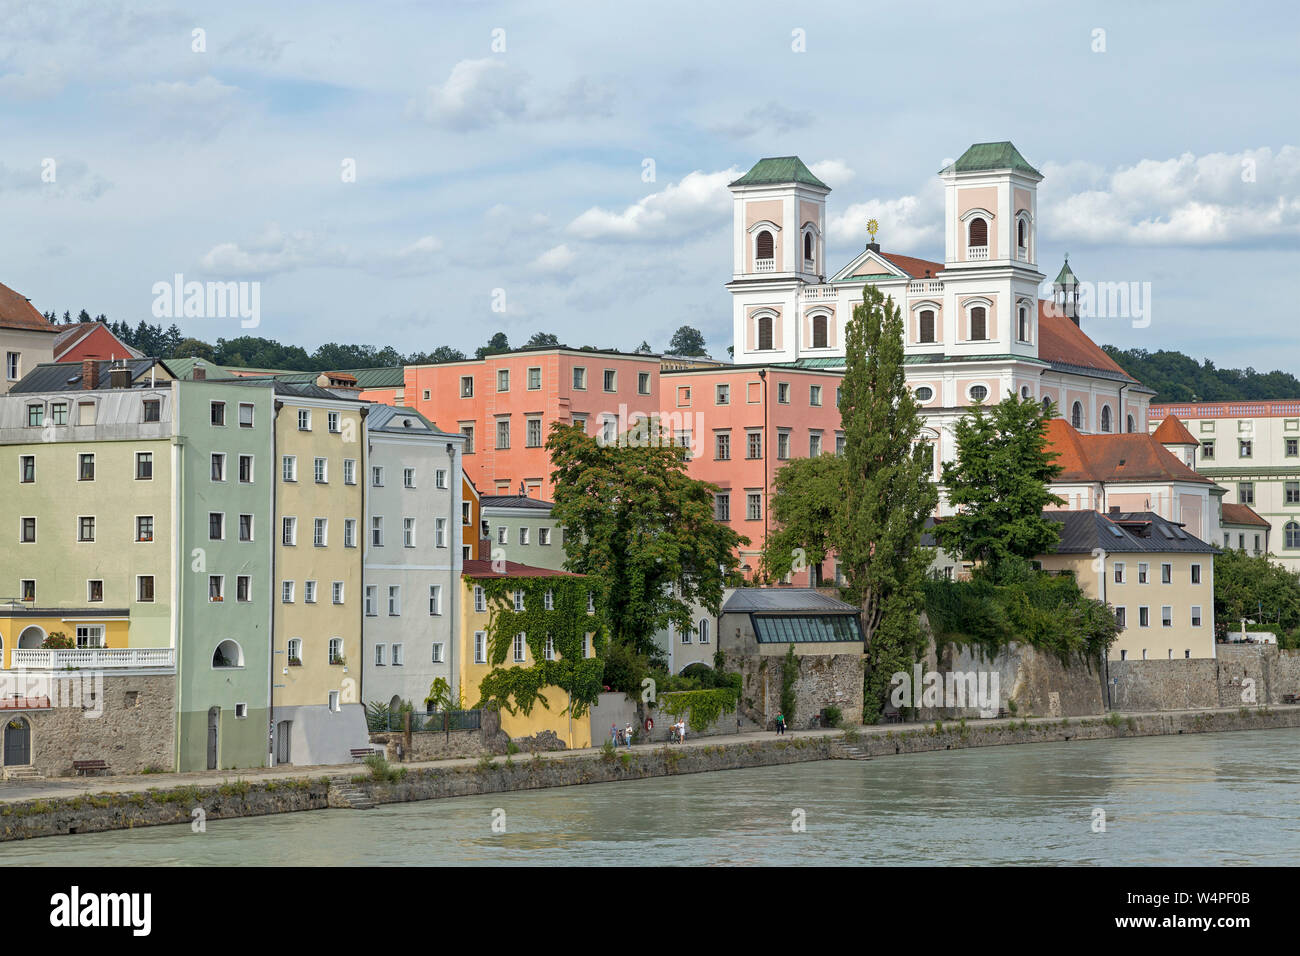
(521, 170)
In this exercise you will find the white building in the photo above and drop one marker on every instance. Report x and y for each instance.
(412, 556)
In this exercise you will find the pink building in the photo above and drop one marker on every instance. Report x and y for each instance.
(505, 405)
(742, 423)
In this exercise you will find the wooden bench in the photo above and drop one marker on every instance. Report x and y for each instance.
(86, 766)
(361, 753)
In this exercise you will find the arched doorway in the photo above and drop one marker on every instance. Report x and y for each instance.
(214, 736)
(31, 638)
(18, 742)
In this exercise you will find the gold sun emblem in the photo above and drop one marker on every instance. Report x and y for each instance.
(872, 226)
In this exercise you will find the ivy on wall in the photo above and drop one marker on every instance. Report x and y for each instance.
(703, 707)
(519, 688)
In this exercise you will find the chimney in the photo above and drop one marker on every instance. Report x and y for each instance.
(89, 373)
(119, 377)
(200, 372)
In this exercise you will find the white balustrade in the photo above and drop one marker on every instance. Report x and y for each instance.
(93, 658)
(764, 265)
(976, 253)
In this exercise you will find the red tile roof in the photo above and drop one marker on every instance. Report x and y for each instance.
(1060, 340)
(916, 268)
(1174, 432)
(17, 313)
(1243, 514)
(483, 569)
(1122, 457)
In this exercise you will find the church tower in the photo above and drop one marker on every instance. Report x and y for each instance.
(778, 245)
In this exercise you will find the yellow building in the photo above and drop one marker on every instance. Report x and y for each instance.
(521, 584)
(317, 664)
(1157, 577)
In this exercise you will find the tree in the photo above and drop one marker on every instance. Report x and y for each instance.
(636, 521)
(687, 341)
(498, 343)
(1259, 590)
(999, 485)
(871, 509)
(194, 348)
(543, 339)
(644, 348)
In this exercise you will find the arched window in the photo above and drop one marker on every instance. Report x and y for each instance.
(1132, 425)
(808, 246)
(927, 325)
(228, 654)
(1024, 324)
(979, 325)
(1076, 415)
(1022, 234)
(704, 630)
(1292, 534)
(979, 232)
(1047, 404)
(819, 332)
(764, 331)
(1105, 418)
(763, 246)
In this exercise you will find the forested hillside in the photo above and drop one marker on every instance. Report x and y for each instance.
(1180, 378)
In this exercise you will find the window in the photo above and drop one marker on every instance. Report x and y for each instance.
(349, 471)
(336, 592)
(95, 591)
(753, 506)
(439, 478)
(503, 433)
(11, 366)
(523, 536)
(580, 378)
(1196, 574)
(764, 247)
(841, 443)
(1196, 615)
(408, 532)
(437, 653)
(377, 476)
(395, 600)
(548, 649)
(1024, 322)
(332, 422)
(309, 592)
(814, 444)
(320, 532)
(27, 468)
(286, 592)
(1144, 617)
(686, 637)
(435, 599)
(480, 598)
(1121, 617)
(377, 531)
(398, 658)
(336, 657)
(753, 444)
(1119, 572)
(320, 471)
(611, 380)
(643, 383)
(152, 410)
(503, 380)
(765, 332)
(722, 446)
(520, 653)
(90, 636)
(503, 535)
(722, 506)
(372, 600)
(978, 393)
(814, 395)
(978, 232)
(979, 325)
(1142, 573)
(379, 654)
(217, 413)
(1105, 418)
(1246, 492)
(1166, 574)
(783, 393)
(349, 532)
(1076, 415)
(703, 630)
(1293, 447)
(304, 419)
(534, 379)
(246, 469)
(218, 467)
(468, 432)
(1245, 448)
(1166, 616)
(926, 329)
(533, 437)
(216, 588)
(1291, 490)
(144, 588)
(1022, 235)
(85, 467)
(289, 468)
(924, 393)
(480, 647)
(408, 477)
(332, 699)
(819, 332)
(245, 415)
(467, 386)
(28, 587)
(591, 602)
(243, 588)
(722, 395)
(59, 412)
(295, 650)
(85, 529)
(144, 528)
(782, 445)
(544, 536)
(28, 533)
(519, 600)
(1290, 534)
(34, 416)
(289, 531)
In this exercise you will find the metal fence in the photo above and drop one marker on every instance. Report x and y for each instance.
(437, 721)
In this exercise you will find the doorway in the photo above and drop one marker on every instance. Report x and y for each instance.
(283, 731)
(214, 736)
(18, 742)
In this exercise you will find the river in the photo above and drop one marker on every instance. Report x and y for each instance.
(1200, 799)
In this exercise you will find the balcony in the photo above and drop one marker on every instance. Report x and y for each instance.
(764, 265)
(93, 658)
(819, 293)
(977, 253)
(926, 287)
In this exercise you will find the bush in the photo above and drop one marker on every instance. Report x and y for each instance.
(625, 669)
(834, 717)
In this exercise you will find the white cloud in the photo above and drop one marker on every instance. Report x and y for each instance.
(276, 251)
(833, 172)
(771, 118)
(487, 92)
(555, 261)
(191, 110)
(911, 224)
(699, 201)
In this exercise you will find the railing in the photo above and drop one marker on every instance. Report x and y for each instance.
(974, 253)
(93, 658)
(764, 265)
(456, 720)
(924, 287)
(819, 293)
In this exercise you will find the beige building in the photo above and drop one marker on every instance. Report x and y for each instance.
(1158, 577)
(26, 339)
(1252, 449)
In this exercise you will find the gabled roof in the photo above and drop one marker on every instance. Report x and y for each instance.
(914, 267)
(1088, 532)
(513, 501)
(1174, 432)
(73, 334)
(989, 156)
(785, 601)
(1243, 514)
(401, 421)
(388, 377)
(66, 376)
(779, 169)
(1128, 456)
(17, 312)
(513, 569)
(1067, 347)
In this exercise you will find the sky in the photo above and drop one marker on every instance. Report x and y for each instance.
(425, 174)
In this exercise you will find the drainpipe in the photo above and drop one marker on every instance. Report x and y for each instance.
(276, 405)
(178, 562)
(454, 583)
(762, 375)
(364, 465)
